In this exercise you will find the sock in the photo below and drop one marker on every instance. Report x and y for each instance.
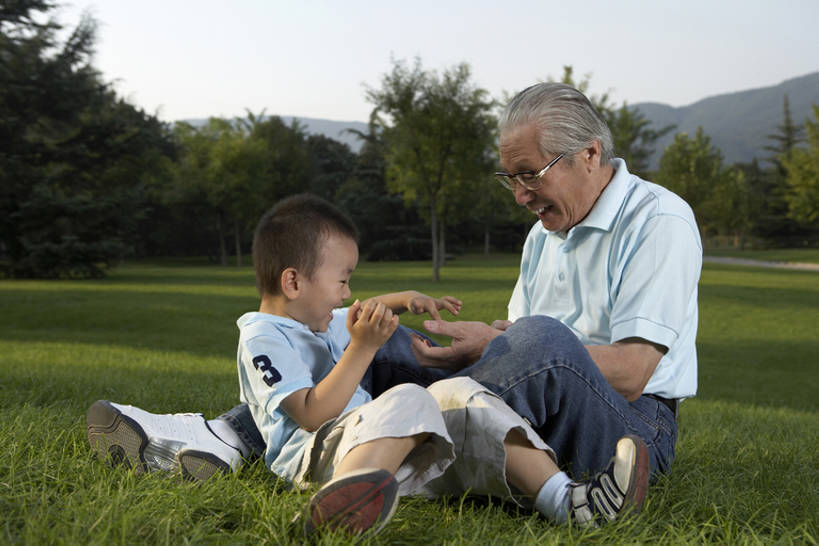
(224, 432)
(553, 498)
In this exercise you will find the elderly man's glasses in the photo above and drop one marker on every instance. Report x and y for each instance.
(531, 180)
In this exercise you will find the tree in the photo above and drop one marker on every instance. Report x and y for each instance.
(331, 164)
(787, 137)
(74, 159)
(388, 230)
(730, 207)
(634, 138)
(692, 168)
(233, 170)
(775, 222)
(802, 176)
(437, 131)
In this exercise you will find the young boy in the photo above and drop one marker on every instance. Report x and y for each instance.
(301, 360)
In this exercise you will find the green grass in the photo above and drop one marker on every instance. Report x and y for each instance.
(803, 255)
(164, 338)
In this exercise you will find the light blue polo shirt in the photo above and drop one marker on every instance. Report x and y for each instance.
(629, 269)
(276, 357)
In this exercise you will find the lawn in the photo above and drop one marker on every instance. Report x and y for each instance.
(803, 255)
(164, 338)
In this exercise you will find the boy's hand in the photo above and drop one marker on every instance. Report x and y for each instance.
(422, 303)
(372, 325)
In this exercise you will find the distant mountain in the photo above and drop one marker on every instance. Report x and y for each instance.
(738, 123)
(336, 130)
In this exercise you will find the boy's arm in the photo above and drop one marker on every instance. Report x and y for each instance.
(369, 329)
(418, 303)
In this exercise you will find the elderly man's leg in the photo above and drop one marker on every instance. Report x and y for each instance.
(543, 372)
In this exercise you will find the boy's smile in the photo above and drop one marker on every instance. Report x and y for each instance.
(329, 286)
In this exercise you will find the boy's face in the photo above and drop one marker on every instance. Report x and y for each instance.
(330, 284)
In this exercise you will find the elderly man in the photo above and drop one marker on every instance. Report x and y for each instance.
(599, 345)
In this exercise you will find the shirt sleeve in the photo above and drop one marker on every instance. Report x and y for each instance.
(273, 370)
(517, 303)
(657, 282)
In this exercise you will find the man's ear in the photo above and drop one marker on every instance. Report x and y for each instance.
(290, 283)
(591, 155)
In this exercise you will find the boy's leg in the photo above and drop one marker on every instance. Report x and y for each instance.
(543, 372)
(496, 448)
(363, 493)
(147, 441)
(372, 455)
(621, 486)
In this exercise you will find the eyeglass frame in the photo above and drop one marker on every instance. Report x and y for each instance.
(503, 178)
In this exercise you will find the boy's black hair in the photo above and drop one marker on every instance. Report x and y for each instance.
(290, 235)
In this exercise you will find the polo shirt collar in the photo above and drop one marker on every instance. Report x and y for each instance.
(605, 210)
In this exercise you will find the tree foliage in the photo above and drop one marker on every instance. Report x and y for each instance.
(721, 197)
(438, 132)
(230, 171)
(73, 157)
(802, 168)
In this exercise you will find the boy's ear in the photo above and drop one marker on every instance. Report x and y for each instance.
(290, 283)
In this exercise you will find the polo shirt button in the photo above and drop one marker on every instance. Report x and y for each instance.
(561, 276)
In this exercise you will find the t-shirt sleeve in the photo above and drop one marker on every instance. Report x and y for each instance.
(657, 282)
(272, 370)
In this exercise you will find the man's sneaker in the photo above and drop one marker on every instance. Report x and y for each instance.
(148, 442)
(618, 488)
(355, 502)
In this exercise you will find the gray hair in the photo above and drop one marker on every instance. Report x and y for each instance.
(565, 117)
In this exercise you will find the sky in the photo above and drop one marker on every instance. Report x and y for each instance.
(185, 59)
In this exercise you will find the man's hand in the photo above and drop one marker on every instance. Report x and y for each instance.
(425, 304)
(468, 342)
(502, 324)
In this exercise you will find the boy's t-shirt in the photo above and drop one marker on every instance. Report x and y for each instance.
(276, 357)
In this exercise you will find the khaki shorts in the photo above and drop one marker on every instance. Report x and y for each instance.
(402, 411)
(467, 426)
(478, 422)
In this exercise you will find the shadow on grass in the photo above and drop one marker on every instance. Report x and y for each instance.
(769, 298)
(760, 372)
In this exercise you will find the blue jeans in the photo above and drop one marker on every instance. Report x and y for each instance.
(543, 372)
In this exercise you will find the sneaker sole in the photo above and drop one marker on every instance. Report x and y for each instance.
(639, 484)
(200, 465)
(116, 438)
(355, 503)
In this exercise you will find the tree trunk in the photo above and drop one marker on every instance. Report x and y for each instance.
(221, 231)
(441, 243)
(433, 230)
(238, 243)
(486, 240)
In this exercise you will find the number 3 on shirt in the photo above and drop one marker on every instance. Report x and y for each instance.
(271, 376)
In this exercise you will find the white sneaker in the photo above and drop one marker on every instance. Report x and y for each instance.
(149, 442)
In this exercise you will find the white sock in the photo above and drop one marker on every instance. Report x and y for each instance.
(553, 498)
(224, 432)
